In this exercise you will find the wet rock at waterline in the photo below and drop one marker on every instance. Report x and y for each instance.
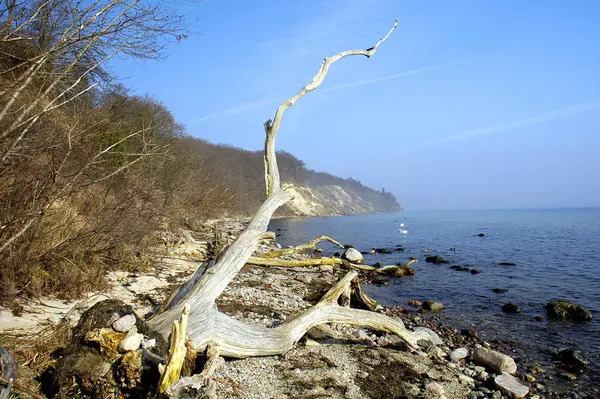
(507, 264)
(510, 307)
(480, 235)
(432, 306)
(563, 310)
(570, 358)
(495, 361)
(353, 256)
(499, 290)
(436, 259)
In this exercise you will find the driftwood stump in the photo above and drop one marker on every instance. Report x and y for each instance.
(8, 373)
(236, 339)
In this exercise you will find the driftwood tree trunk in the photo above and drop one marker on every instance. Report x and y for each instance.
(8, 373)
(234, 338)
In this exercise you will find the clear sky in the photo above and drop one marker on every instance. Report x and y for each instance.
(468, 105)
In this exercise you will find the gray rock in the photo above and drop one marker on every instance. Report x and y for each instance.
(326, 268)
(131, 342)
(493, 360)
(352, 255)
(482, 376)
(125, 323)
(303, 278)
(149, 343)
(472, 395)
(497, 395)
(511, 386)
(563, 310)
(435, 390)
(114, 317)
(433, 337)
(432, 306)
(458, 354)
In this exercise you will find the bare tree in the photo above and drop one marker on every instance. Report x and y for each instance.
(234, 338)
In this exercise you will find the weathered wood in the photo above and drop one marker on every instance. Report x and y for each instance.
(200, 385)
(312, 244)
(170, 372)
(8, 373)
(237, 339)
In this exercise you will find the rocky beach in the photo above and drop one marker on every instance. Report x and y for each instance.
(342, 362)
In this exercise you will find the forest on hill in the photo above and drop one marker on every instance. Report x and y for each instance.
(89, 173)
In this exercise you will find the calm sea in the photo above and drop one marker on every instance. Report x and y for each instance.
(556, 252)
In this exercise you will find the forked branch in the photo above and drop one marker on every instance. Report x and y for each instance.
(234, 338)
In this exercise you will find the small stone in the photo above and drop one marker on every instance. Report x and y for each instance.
(149, 343)
(303, 278)
(568, 376)
(132, 341)
(414, 302)
(479, 369)
(497, 395)
(529, 378)
(466, 380)
(124, 324)
(472, 395)
(435, 390)
(433, 336)
(468, 372)
(511, 386)
(362, 374)
(493, 360)
(326, 268)
(482, 376)
(432, 306)
(458, 354)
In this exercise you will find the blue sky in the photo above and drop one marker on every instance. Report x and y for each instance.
(468, 105)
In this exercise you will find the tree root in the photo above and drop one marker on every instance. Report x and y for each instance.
(200, 385)
(239, 340)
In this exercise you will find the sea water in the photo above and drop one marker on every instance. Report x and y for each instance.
(556, 255)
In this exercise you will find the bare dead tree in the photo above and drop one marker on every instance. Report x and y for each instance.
(234, 338)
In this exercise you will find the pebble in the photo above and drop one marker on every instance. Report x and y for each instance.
(326, 268)
(434, 337)
(124, 324)
(132, 341)
(435, 390)
(458, 354)
(149, 343)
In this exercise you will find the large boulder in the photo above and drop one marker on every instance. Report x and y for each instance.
(352, 255)
(563, 310)
(495, 361)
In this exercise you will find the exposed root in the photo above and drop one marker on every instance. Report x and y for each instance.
(200, 385)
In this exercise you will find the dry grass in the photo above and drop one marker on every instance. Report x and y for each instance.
(33, 352)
